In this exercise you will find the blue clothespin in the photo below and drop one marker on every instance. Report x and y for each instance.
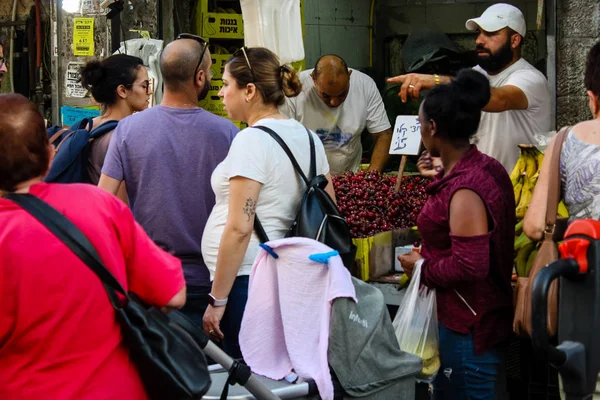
(268, 250)
(323, 258)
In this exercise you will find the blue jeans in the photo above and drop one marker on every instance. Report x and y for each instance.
(232, 319)
(465, 374)
(196, 303)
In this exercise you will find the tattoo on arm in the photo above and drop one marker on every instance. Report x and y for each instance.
(250, 208)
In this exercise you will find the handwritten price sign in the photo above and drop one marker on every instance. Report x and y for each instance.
(407, 136)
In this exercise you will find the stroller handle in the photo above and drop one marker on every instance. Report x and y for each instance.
(565, 267)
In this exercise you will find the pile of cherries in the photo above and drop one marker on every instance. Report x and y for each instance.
(370, 206)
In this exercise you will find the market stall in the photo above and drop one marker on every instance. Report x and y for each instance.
(383, 224)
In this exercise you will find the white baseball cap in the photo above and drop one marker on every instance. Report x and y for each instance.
(499, 16)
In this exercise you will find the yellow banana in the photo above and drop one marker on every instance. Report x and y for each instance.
(562, 210)
(521, 242)
(530, 164)
(530, 261)
(404, 280)
(526, 194)
(518, 188)
(522, 258)
(535, 178)
(431, 368)
(540, 159)
(519, 227)
(515, 175)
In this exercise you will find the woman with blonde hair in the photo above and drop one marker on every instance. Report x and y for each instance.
(256, 178)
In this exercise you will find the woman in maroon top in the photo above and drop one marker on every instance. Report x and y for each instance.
(467, 227)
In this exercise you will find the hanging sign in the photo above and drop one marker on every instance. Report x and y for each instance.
(73, 87)
(83, 37)
(70, 115)
(407, 136)
(89, 7)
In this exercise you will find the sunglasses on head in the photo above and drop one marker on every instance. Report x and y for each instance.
(242, 50)
(198, 39)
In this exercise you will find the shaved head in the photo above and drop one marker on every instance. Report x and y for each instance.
(178, 62)
(331, 66)
(332, 79)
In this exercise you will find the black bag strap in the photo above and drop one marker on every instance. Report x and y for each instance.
(260, 231)
(258, 228)
(239, 373)
(279, 140)
(73, 238)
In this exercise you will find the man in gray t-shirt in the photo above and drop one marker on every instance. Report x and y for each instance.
(166, 155)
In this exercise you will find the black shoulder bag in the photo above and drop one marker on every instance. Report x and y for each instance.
(318, 217)
(168, 356)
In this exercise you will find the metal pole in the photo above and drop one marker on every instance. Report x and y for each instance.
(260, 391)
(56, 31)
(551, 61)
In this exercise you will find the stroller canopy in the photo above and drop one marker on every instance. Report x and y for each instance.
(363, 349)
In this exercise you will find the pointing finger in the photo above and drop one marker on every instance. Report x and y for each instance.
(397, 79)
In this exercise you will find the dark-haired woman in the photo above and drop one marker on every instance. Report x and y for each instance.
(120, 85)
(257, 177)
(579, 163)
(468, 232)
(579, 167)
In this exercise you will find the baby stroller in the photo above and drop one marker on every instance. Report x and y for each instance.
(577, 357)
(364, 358)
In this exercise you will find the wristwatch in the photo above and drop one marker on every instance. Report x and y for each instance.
(213, 301)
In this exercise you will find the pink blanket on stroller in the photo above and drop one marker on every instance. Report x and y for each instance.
(286, 320)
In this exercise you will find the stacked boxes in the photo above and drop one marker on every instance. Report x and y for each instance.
(222, 25)
(223, 28)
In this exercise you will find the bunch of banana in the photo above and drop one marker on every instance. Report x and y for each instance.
(431, 360)
(525, 250)
(524, 176)
(526, 194)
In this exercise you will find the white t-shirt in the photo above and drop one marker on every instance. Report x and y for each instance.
(500, 133)
(340, 128)
(255, 155)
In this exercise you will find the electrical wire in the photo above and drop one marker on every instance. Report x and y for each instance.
(177, 18)
(12, 46)
(371, 15)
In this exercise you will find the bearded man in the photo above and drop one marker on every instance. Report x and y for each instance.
(166, 155)
(520, 104)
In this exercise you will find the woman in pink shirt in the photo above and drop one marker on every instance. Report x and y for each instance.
(467, 227)
(59, 338)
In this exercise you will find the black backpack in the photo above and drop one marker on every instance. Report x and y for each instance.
(318, 217)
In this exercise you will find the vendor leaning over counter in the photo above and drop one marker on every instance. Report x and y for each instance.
(519, 106)
(338, 103)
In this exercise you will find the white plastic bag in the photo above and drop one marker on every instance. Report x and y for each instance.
(149, 50)
(276, 25)
(416, 325)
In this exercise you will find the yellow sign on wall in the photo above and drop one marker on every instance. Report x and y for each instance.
(83, 36)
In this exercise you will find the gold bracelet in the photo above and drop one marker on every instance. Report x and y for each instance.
(437, 79)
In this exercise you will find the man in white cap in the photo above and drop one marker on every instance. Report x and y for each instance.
(519, 106)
